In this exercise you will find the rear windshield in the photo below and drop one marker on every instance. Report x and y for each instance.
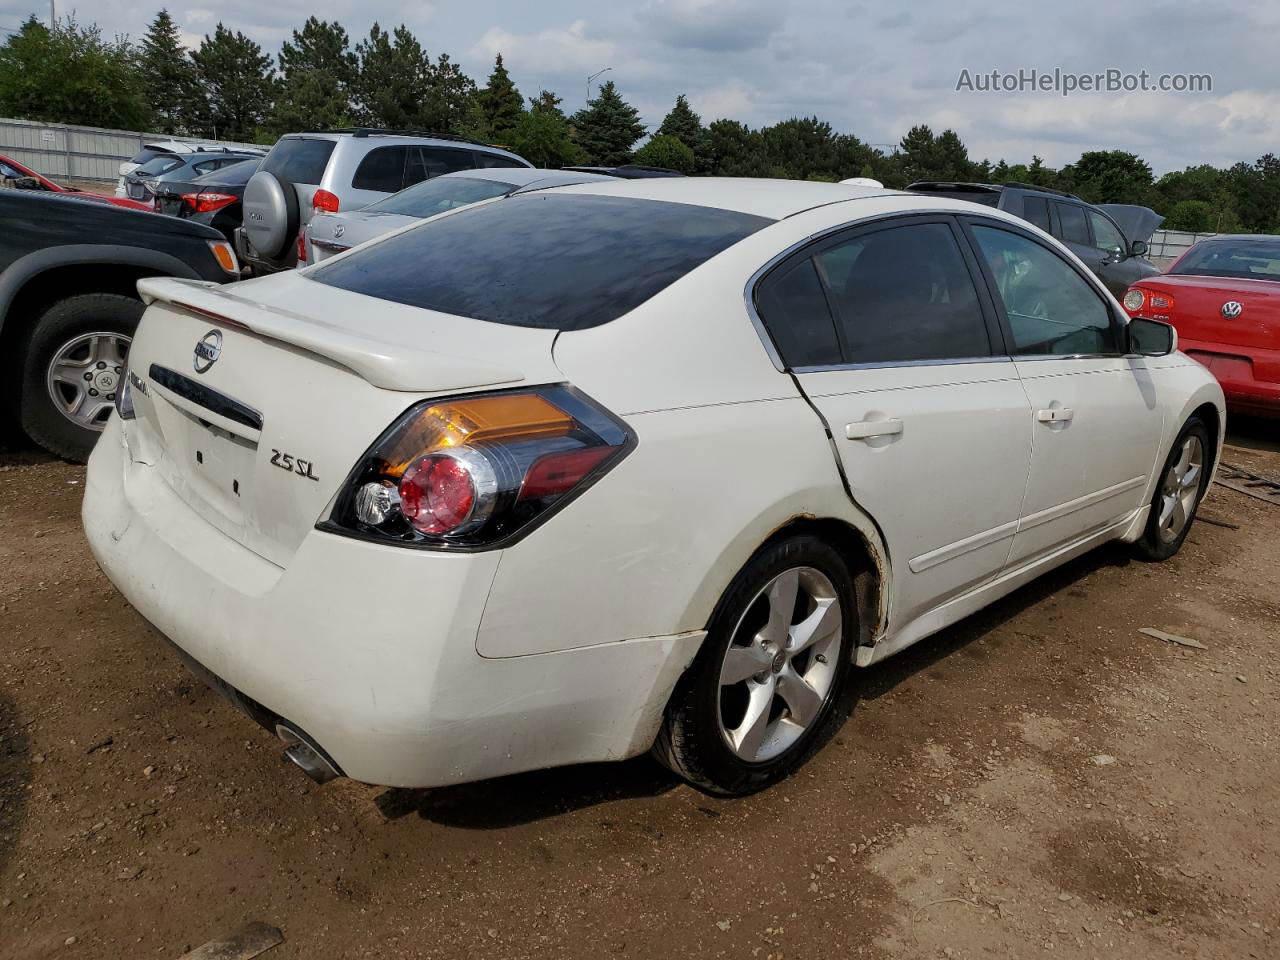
(555, 261)
(430, 197)
(989, 198)
(299, 160)
(148, 153)
(158, 165)
(1256, 259)
(235, 175)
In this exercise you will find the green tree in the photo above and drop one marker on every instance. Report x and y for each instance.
(392, 78)
(929, 157)
(239, 82)
(1111, 176)
(449, 93)
(164, 65)
(542, 137)
(686, 126)
(667, 150)
(735, 150)
(500, 103)
(1198, 216)
(546, 102)
(317, 70)
(70, 74)
(608, 127)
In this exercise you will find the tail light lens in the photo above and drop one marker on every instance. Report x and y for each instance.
(1133, 300)
(322, 201)
(208, 202)
(1155, 304)
(302, 246)
(479, 470)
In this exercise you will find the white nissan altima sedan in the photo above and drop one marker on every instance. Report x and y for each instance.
(647, 465)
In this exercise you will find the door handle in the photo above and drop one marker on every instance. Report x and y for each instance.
(866, 429)
(1055, 415)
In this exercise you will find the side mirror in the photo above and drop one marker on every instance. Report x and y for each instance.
(1138, 248)
(1151, 338)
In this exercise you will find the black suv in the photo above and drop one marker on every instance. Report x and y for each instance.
(69, 305)
(1093, 233)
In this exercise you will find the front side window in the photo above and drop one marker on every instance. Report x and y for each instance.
(551, 260)
(793, 305)
(1051, 309)
(1074, 228)
(1105, 235)
(382, 170)
(904, 294)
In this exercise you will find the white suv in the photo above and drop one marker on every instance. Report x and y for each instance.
(337, 170)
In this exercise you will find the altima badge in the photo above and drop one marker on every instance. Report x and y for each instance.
(208, 349)
(1232, 309)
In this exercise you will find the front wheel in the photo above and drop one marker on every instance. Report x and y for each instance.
(762, 688)
(73, 366)
(1182, 486)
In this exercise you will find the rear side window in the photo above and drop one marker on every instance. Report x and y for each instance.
(793, 305)
(554, 261)
(489, 161)
(1074, 228)
(428, 162)
(382, 169)
(904, 294)
(299, 160)
(1036, 210)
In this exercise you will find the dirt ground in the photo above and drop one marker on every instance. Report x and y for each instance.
(1041, 780)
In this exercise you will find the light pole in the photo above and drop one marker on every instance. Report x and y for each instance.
(589, 79)
(53, 17)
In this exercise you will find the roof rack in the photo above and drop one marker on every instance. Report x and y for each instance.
(1031, 186)
(386, 132)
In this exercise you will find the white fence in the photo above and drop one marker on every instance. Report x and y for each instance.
(1171, 244)
(80, 153)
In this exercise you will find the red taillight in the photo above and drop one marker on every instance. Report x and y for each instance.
(480, 469)
(322, 201)
(207, 202)
(302, 247)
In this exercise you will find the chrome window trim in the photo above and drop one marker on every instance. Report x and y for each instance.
(892, 364)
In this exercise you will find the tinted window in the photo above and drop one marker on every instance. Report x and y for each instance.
(1074, 229)
(236, 174)
(904, 294)
(382, 169)
(205, 166)
(1036, 210)
(794, 308)
(146, 153)
(487, 161)
(1256, 259)
(1051, 308)
(428, 162)
(557, 261)
(1105, 235)
(430, 197)
(299, 160)
(158, 165)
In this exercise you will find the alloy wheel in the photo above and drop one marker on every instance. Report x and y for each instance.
(1179, 489)
(85, 374)
(780, 666)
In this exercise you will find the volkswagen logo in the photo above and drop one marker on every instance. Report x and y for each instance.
(208, 349)
(1232, 309)
(338, 231)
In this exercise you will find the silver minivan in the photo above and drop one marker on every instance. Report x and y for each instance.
(337, 170)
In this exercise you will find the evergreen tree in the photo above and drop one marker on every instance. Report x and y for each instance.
(167, 72)
(607, 127)
(70, 74)
(542, 137)
(237, 77)
(667, 150)
(317, 71)
(500, 103)
(449, 94)
(391, 82)
(546, 102)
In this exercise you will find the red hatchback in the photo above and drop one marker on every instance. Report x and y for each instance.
(1223, 296)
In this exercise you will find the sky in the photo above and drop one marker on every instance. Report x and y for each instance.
(870, 70)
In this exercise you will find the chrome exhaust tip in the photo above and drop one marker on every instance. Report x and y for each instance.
(306, 757)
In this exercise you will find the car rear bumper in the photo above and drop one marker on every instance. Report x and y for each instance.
(1250, 377)
(369, 649)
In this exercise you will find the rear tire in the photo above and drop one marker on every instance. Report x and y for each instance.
(1184, 478)
(757, 698)
(65, 395)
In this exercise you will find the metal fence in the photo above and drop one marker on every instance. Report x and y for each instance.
(1171, 244)
(80, 153)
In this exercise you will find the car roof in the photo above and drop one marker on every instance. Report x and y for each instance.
(775, 199)
(1235, 236)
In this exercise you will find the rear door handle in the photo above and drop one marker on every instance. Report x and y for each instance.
(1055, 415)
(866, 429)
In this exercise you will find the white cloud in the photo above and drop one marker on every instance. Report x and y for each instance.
(552, 50)
(713, 25)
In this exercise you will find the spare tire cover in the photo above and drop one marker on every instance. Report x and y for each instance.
(270, 214)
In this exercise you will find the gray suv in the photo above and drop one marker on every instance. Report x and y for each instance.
(337, 170)
(1110, 238)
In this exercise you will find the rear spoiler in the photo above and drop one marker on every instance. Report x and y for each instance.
(388, 365)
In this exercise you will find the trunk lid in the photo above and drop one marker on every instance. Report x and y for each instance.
(258, 440)
(1198, 302)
